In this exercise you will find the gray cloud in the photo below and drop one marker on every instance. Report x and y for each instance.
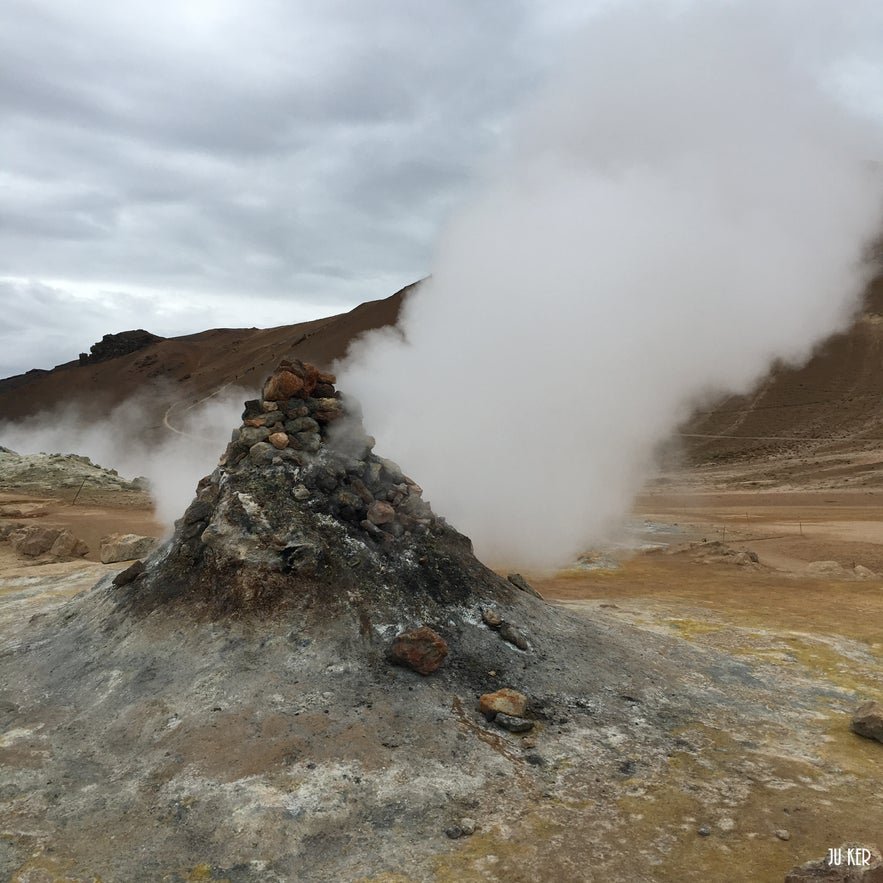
(242, 152)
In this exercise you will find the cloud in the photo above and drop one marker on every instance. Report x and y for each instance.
(248, 151)
(686, 202)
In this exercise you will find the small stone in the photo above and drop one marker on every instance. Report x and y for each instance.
(704, 831)
(251, 435)
(867, 720)
(278, 440)
(301, 492)
(381, 513)
(130, 574)
(513, 724)
(282, 385)
(782, 834)
(261, 454)
(422, 650)
(301, 424)
(255, 422)
(513, 635)
(521, 583)
(505, 701)
(467, 826)
(491, 617)
(455, 832)
(270, 406)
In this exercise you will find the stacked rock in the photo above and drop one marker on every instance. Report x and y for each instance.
(301, 419)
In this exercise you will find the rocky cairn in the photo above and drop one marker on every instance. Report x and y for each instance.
(301, 513)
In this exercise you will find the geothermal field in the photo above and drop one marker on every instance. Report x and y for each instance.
(312, 677)
(564, 562)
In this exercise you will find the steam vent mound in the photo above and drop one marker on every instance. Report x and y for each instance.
(301, 514)
(314, 679)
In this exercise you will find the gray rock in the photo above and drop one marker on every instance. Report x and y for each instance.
(867, 720)
(251, 435)
(513, 724)
(514, 635)
(262, 453)
(301, 424)
(520, 582)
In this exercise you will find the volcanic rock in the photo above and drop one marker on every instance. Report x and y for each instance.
(111, 346)
(34, 540)
(381, 513)
(130, 574)
(283, 385)
(867, 720)
(513, 724)
(505, 701)
(521, 583)
(513, 635)
(67, 545)
(421, 650)
(125, 547)
(278, 440)
(490, 616)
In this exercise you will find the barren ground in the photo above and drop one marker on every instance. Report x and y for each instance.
(801, 771)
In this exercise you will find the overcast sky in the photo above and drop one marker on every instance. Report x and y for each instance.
(186, 164)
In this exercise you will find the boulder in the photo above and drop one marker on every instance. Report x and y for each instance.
(867, 720)
(35, 540)
(125, 547)
(505, 701)
(68, 546)
(862, 572)
(829, 569)
(422, 650)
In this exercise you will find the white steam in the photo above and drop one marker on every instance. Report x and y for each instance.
(687, 202)
(172, 453)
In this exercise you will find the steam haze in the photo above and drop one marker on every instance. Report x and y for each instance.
(688, 201)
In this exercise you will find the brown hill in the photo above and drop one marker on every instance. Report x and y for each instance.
(191, 367)
(820, 421)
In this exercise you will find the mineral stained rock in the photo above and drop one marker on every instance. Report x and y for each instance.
(421, 650)
(505, 701)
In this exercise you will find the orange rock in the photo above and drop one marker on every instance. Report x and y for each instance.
(283, 385)
(422, 650)
(327, 377)
(256, 421)
(278, 440)
(311, 378)
(504, 701)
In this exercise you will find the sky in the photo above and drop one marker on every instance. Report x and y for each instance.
(187, 164)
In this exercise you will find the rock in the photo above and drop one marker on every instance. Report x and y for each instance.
(513, 724)
(251, 435)
(520, 582)
(323, 391)
(301, 492)
(491, 617)
(301, 424)
(125, 547)
(278, 440)
(130, 574)
(505, 701)
(112, 346)
(270, 406)
(513, 635)
(468, 826)
(704, 831)
(282, 385)
(421, 650)
(68, 546)
(862, 572)
(381, 513)
(830, 569)
(262, 453)
(853, 863)
(326, 377)
(782, 834)
(867, 720)
(35, 540)
(308, 441)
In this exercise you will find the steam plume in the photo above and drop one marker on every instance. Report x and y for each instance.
(686, 202)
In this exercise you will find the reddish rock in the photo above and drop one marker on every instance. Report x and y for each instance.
(491, 617)
(311, 378)
(278, 440)
(282, 385)
(256, 421)
(505, 701)
(422, 650)
(327, 377)
(867, 721)
(380, 512)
